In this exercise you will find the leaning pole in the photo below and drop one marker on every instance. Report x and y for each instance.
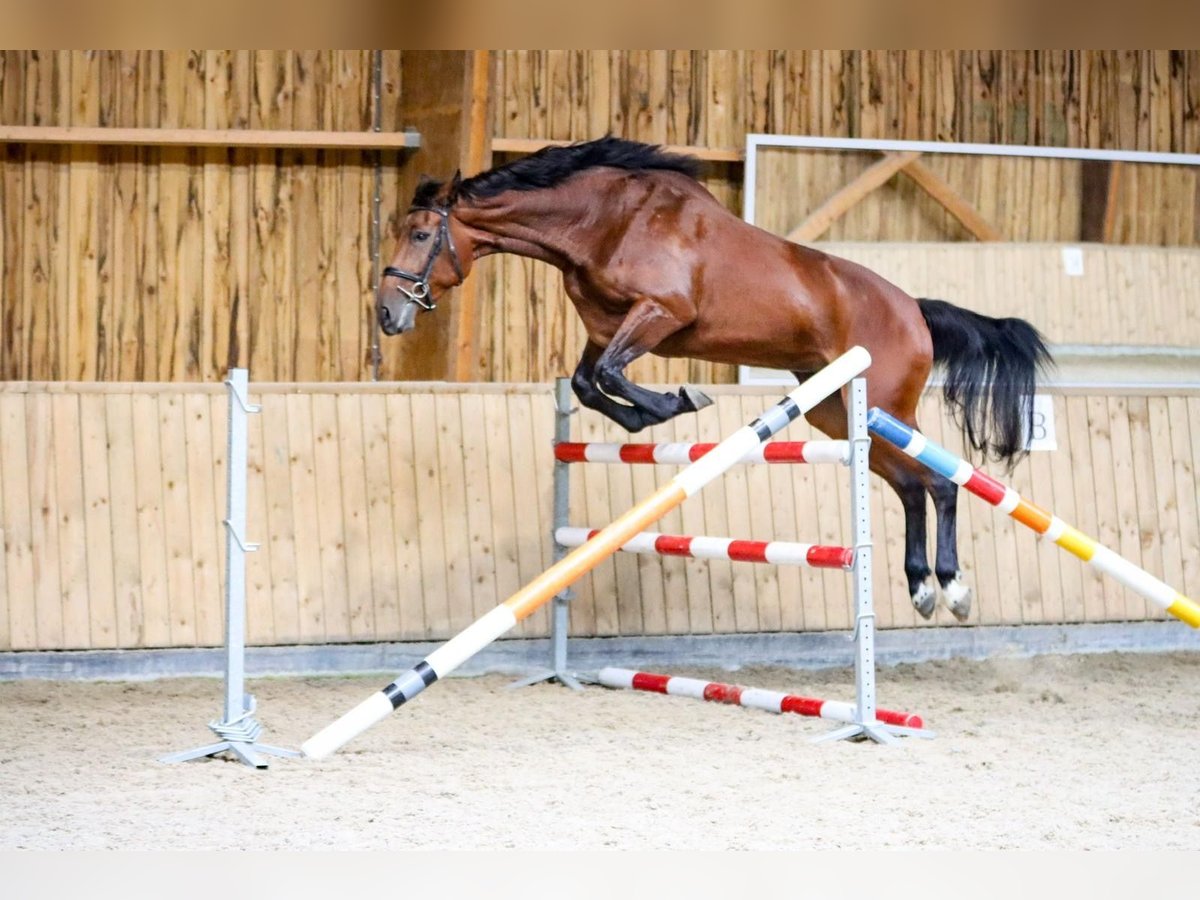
(1043, 522)
(487, 628)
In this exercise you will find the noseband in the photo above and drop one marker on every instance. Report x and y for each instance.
(419, 292)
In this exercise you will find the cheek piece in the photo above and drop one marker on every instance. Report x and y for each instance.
(419, 292)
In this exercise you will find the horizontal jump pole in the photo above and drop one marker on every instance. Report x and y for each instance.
(778, 553)
(1030, 515)
(754, 698)
(582, 560)
(682, 454)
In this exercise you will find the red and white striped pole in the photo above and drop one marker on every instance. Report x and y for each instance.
(503, 618)
(777, 553)
(754, 698)
(682, 454)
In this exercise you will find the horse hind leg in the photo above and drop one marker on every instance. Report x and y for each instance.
(956, 593)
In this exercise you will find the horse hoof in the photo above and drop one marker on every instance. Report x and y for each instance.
(957, 597)
(697, 400)
(924, 598)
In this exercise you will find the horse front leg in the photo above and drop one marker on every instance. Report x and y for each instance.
(583, 383)
(646, 326)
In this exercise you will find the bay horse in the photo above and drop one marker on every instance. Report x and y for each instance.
(655, 264)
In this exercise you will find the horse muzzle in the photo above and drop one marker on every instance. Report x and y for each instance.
(398, 321)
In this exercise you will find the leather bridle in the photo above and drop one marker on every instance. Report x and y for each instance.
(419, 292)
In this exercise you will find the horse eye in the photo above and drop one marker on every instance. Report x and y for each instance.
(419, 236)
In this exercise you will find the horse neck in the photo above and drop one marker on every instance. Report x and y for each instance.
(542, 225)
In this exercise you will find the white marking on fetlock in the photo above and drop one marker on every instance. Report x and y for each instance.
(924, 598)
(957, 596)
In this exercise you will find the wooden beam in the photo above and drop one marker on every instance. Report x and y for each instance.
(1110, 202)
(477, 157)
(209, 137)
(836, 206)
(1094, 176)
(707, 154)
(953, 202)
(435, 87)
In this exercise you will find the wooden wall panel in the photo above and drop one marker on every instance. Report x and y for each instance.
(401, 513)
(1126, 295)
(121, 264)
(713, 98)
(174, 263)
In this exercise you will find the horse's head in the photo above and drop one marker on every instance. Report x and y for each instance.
(432, 256)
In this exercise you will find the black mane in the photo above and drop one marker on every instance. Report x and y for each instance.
(551, 166)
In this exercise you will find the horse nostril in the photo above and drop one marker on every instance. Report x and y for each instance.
(385, 317)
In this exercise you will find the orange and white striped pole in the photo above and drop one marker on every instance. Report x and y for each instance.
(583, 559)
(1032, 516)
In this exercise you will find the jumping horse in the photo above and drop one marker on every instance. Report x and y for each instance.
(654, 264)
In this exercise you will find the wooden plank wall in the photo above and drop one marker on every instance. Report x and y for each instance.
(403, 512)
(1126, 99)
(1126, 295)
(167, 264)
(1143, 100)
(121, 264)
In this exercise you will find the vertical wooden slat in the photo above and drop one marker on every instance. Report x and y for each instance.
(7, 609)
(205, 518)
(82, 239)
(98, 521)
(47, 598)
(626, 587)
(331, 526)
(14, 350)
(436, 617)
(736, 486)
(357, 544)
(1085, 509)
(129, 619)
(600, 609)
(176, 521)
(1168, 501)
(279, 524)
(1104, 498)
(385, 586)
(20, 560)
(406, 516)
(1188, 522)
(702, 596)
(69, 511)
(309, 233)
(1047, 605)
(260, 606)
(152, 556)
(306, 518)
(509, 530)
(477, 511)
(1144, 495)
(220, 336)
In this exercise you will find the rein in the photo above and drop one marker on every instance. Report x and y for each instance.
(419, 293)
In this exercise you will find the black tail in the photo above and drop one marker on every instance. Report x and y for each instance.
(991, 368)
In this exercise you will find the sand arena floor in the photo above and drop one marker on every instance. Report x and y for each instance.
(1051, 752)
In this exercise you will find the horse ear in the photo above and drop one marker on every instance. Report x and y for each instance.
(455, 185)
